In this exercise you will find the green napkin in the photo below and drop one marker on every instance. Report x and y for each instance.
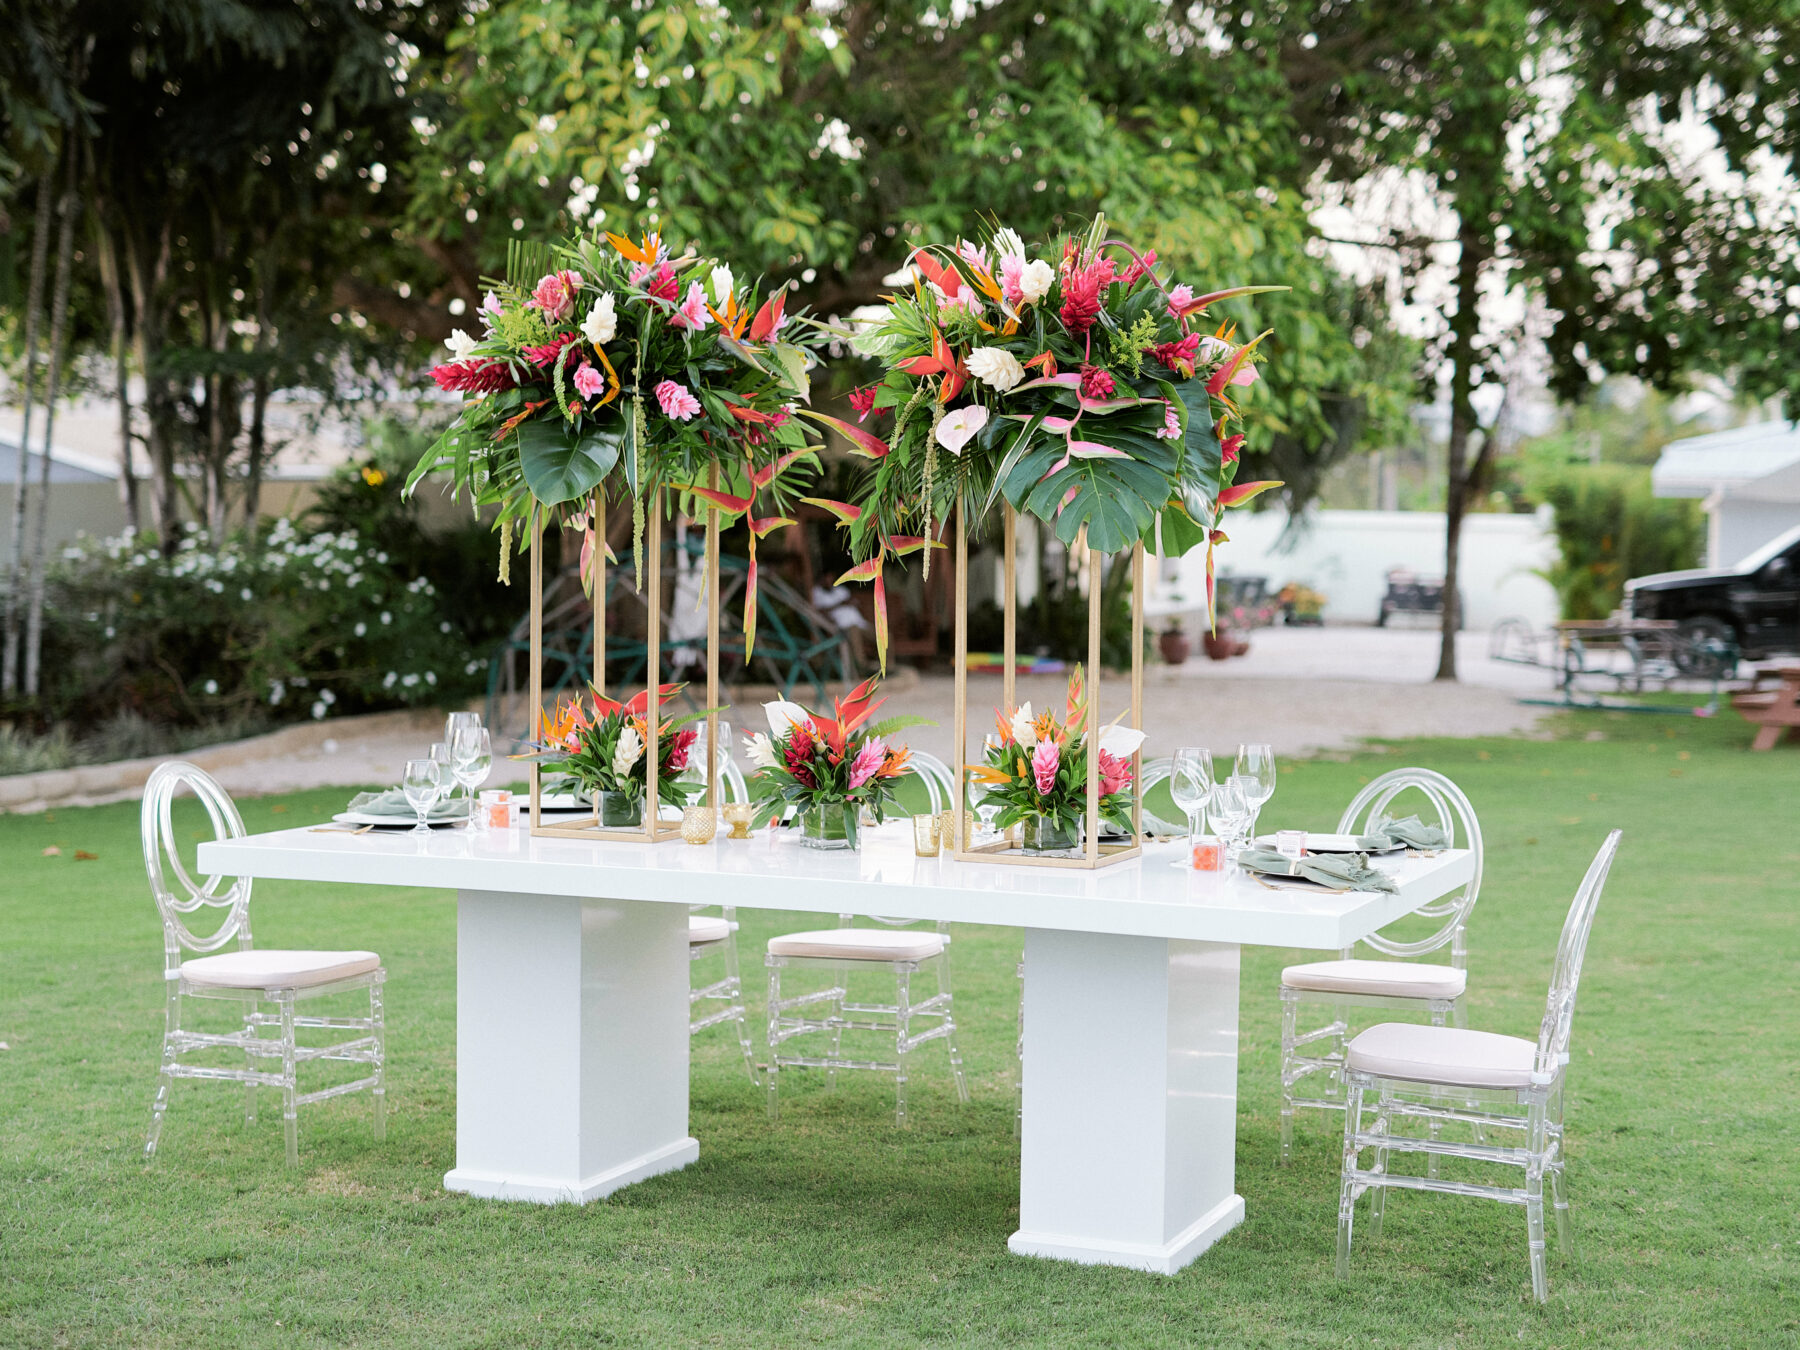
(1339, 871)
(1409, 833)
(393, 803)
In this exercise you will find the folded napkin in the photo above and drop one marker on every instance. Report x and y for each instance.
(1338, 871)
(393, 803)
(1409, 833)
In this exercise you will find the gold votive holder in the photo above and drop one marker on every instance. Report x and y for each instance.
(947, 829)
(698, 824)
(928, 834)
(738, 816)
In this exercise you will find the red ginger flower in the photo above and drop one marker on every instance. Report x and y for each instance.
(1139, 268)
(473, 377)
(798, 751)
(1082, 287)
(662, 283)
(546, 354)
(1178, 356)
(1229, 448)
(1096, 383)
(680, 744)
(863, 400)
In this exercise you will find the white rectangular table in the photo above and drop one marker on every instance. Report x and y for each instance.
(572, 1008)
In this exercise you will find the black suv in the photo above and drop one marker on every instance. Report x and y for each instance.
(1754, 605)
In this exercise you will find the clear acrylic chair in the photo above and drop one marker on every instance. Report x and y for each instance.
(711, 936)
(940, 783)
(1312, 1058)
(839, 952)
(1506, 1086)
(270, 985)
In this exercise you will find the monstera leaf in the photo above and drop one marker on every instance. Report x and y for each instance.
(560, 466)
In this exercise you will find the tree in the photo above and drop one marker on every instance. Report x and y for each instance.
(1546, 137)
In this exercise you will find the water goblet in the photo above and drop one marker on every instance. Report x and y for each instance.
(420, 783)
(471, 759)
(1191, 785)
(986, 808)
(1231, 813)
(1256, 765)
(455, 722)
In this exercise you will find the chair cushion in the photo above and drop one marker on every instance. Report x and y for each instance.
(270, 969)
(1391, 979)
(1423, 1054)
(705, 928)
(859, 944)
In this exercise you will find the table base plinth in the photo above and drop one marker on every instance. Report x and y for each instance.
(547, 1191)
(1165, 1259)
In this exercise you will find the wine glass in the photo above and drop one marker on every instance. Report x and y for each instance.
(471, 759)
(440, 755)
(1231, 813)
(455, 722)
(1191, 785)
(1256, 766)
(420, 783)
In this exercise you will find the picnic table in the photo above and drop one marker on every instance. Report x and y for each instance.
(1775, 709)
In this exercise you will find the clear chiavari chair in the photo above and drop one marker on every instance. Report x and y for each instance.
(712, 936)
(1312, 1058)
(1506, 1086)
(840, 952)
(270, 985)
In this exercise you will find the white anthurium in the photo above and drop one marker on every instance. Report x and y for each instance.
(761, 751)
(460, 344)
(1021, 727)
(783, 715)
(602, 321)
(723, 283)
(625, 755)
(1035, 281)
(1121, 741)
(959, 428)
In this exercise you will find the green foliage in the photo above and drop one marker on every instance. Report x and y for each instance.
(1610, 528)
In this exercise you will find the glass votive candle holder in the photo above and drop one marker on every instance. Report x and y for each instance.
(927, 835)
(1209, 855)
(494, 809)
(1290, 843)
(698, 824)
(947, 829)
(738, 816)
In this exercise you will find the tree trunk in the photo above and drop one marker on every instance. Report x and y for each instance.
(34, 304)
(107, 255)
(59, 324)
(1465, 326)
(146, 267)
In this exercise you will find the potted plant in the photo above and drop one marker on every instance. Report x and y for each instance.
(601, 748)
(1037, 773)
(829, 770)
(1301, 606)
(1174, 644)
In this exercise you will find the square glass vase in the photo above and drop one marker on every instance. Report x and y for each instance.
(618, 810)
(1040, 834)
(826, 827)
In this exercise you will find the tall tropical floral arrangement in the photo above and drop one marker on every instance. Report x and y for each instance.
(1036, 769)
(810, 761)
(608, 368)
(1076, 381)
(604, 746)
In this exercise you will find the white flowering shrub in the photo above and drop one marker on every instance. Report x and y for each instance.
(297, 624)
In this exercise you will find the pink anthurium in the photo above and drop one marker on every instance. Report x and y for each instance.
(1226, 374)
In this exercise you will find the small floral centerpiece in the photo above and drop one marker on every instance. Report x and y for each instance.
(1037, 772)
(1079, 382)
(829, 769)
(601, 748)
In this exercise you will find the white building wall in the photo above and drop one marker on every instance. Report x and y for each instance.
(1740, 526)
(1346, 556)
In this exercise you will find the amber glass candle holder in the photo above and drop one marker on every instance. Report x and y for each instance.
(698, 824)
(737, 816)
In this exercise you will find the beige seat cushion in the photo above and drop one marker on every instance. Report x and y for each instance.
(705, 928)
(1423, 1054)
(269, 969)
(859, 944)
(1390, 979)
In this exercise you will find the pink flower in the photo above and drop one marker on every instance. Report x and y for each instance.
(1044, 762)
(867, 762)
(676, 401)
(681, 745)
(555, 295)
(1082, 288)
(588, 381)
(973, 254)
(1115, 774)
(1137, 271)
(1096, 383)
(1180, 297)
(1229, 448)
(1171, 427)
(659, 281)
(1178, 355)
(964, 299)
(863, 400)
(1246, 374)
(490, 310)
(1011, 269)
(692, 312)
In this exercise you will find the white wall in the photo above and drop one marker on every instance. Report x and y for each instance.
(1739, 526)
(1347, 554)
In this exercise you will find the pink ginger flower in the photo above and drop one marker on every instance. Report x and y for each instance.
(676, 401)
(555, 295)
(964, 299)
(1180, 297)
(973, 254)
(490, 310)
(1044, 762)
(1096, 383)
(1139, 269)
(867, 763)
(1171, 427)
(1115, 774)
(588, 381)
(1011, 269)
(692, 311)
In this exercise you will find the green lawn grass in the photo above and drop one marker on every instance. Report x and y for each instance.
(838, 1228)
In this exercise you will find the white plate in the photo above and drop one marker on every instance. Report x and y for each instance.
(1331, 843)
(396, 822)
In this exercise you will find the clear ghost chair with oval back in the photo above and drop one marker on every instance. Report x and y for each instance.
(1315, 1057)
(716, 935)
(257, 978)
(1447, 1076)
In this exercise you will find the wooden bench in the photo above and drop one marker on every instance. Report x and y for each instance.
(1773, 710)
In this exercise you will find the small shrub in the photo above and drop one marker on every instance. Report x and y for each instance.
(1610, 528)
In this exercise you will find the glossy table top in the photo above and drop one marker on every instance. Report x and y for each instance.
(1149, 896)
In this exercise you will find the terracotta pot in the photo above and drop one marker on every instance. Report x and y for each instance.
(1175, 646)
(1220, 645)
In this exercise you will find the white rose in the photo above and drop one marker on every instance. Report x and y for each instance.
(1021, 728)
(630, 746)
(761, 751)
(1034, 281)
(1007, 244)
(602, 321)
(460, 344)
(996, 367)
(723, 284)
